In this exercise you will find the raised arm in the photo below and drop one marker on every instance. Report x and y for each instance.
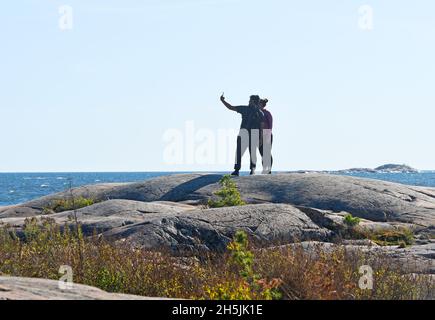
(226, 104)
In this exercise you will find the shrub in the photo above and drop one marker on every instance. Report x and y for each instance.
(288, 272)
(61, 205)
(351, 221)
(251, 285)
(229, 195)
(334, 274)
(241, 256)
(396, 237)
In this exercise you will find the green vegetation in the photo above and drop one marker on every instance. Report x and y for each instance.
(396, 237)
(242, 272)
(251, 285)
(400, 236)
(61, 205)
(351, 221)
(229, 195)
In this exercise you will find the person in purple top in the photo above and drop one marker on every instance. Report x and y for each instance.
(266, 138)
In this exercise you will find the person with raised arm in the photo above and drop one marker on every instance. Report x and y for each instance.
(249, 135)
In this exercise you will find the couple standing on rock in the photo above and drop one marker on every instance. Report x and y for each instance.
(255, 133)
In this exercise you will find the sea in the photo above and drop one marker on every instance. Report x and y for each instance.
(17, 188)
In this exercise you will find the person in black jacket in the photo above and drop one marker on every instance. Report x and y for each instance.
(249, 135)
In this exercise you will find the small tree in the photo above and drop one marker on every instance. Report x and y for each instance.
(229, 195)
(250, 285)
(351, 221)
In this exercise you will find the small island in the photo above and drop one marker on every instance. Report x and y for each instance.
(386, 168)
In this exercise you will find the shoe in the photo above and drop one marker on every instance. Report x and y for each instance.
(235, 173)
(252, 173)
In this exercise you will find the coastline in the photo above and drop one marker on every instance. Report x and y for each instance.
(16, 188)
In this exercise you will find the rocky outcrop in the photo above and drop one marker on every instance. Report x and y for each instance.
(413, 259)
(213, 229)
(17, 288)
(402, 168)
(387, 168)
(167, 212)
(182, 228)
(370, 199)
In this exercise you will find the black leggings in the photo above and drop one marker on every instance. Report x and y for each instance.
(261, 148)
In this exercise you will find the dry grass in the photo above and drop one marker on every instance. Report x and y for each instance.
(335, 274)
(288, 272)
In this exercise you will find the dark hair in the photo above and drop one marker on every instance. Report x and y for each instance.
(255, 98)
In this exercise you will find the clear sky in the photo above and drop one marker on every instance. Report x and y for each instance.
(102, 95)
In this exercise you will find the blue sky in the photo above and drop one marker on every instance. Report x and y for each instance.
(101, 96)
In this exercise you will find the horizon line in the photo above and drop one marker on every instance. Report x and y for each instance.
(189, 171)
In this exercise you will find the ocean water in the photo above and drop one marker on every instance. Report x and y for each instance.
(20, 187)
(423, 178)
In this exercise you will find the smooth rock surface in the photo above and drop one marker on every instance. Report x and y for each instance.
(213, 229)
(108, 215)
(180, 228)
(17, 288)
(414, 259)
(370, 199)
